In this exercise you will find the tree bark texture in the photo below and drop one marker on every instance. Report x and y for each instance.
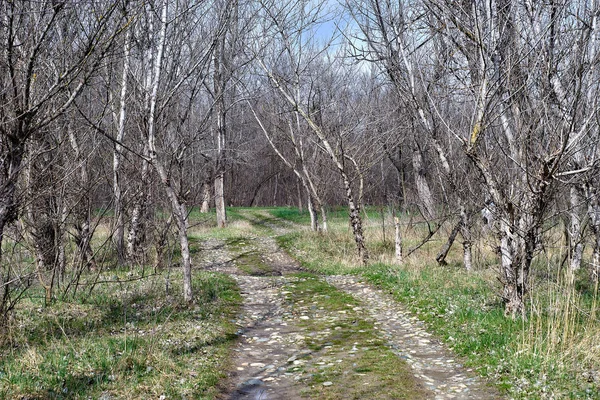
(205, 198)
(441, 257)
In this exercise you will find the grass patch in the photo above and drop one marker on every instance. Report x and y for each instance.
(128, 340)
(291, 214)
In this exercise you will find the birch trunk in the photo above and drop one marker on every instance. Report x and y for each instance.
(220, 200)
(595, 263)
(314, 218)
(221, 130)
(119, 235)
(136, 225)
(398, 240)
(140, 201)
(178, 207)
(423, 189)
(355, 221)
(323, 217)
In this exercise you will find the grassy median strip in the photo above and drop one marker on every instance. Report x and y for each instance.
(347, 359)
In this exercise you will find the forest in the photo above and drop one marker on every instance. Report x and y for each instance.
(411, 135)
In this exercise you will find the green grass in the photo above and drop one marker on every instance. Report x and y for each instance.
(133, 337)
(291, 214)
(542, 357)
(130, 340)
(333, 213)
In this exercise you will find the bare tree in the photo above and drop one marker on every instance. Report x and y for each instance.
(291, 24)
(528, 118)
(398, 37)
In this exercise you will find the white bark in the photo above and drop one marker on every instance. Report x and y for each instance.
(398, 240)
(314, 219)
(220, 200)
(178, 207)
(423, 189)
(205, 198)
(118, 153)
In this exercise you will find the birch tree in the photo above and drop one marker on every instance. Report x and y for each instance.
(527, 66)
(119, 118)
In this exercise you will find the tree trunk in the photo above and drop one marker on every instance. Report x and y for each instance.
(398, 240)
(423, 190)
(138, 213)
(220, 82)
(178, 207)
(595, 264)
(119, 221)
(160, 241)
(220, 201)
(314, 218)
(185, 257)
(517, 249)
(323, 217)
(83, 237)
(441, 257)
(355, 221)
(205, 198)
(465, 232)
(62, 256)
(299, 190)
(11, 159)
(41, 232)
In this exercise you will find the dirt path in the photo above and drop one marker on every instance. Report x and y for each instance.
(287, 342)
(269, 338)
(430, 360)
